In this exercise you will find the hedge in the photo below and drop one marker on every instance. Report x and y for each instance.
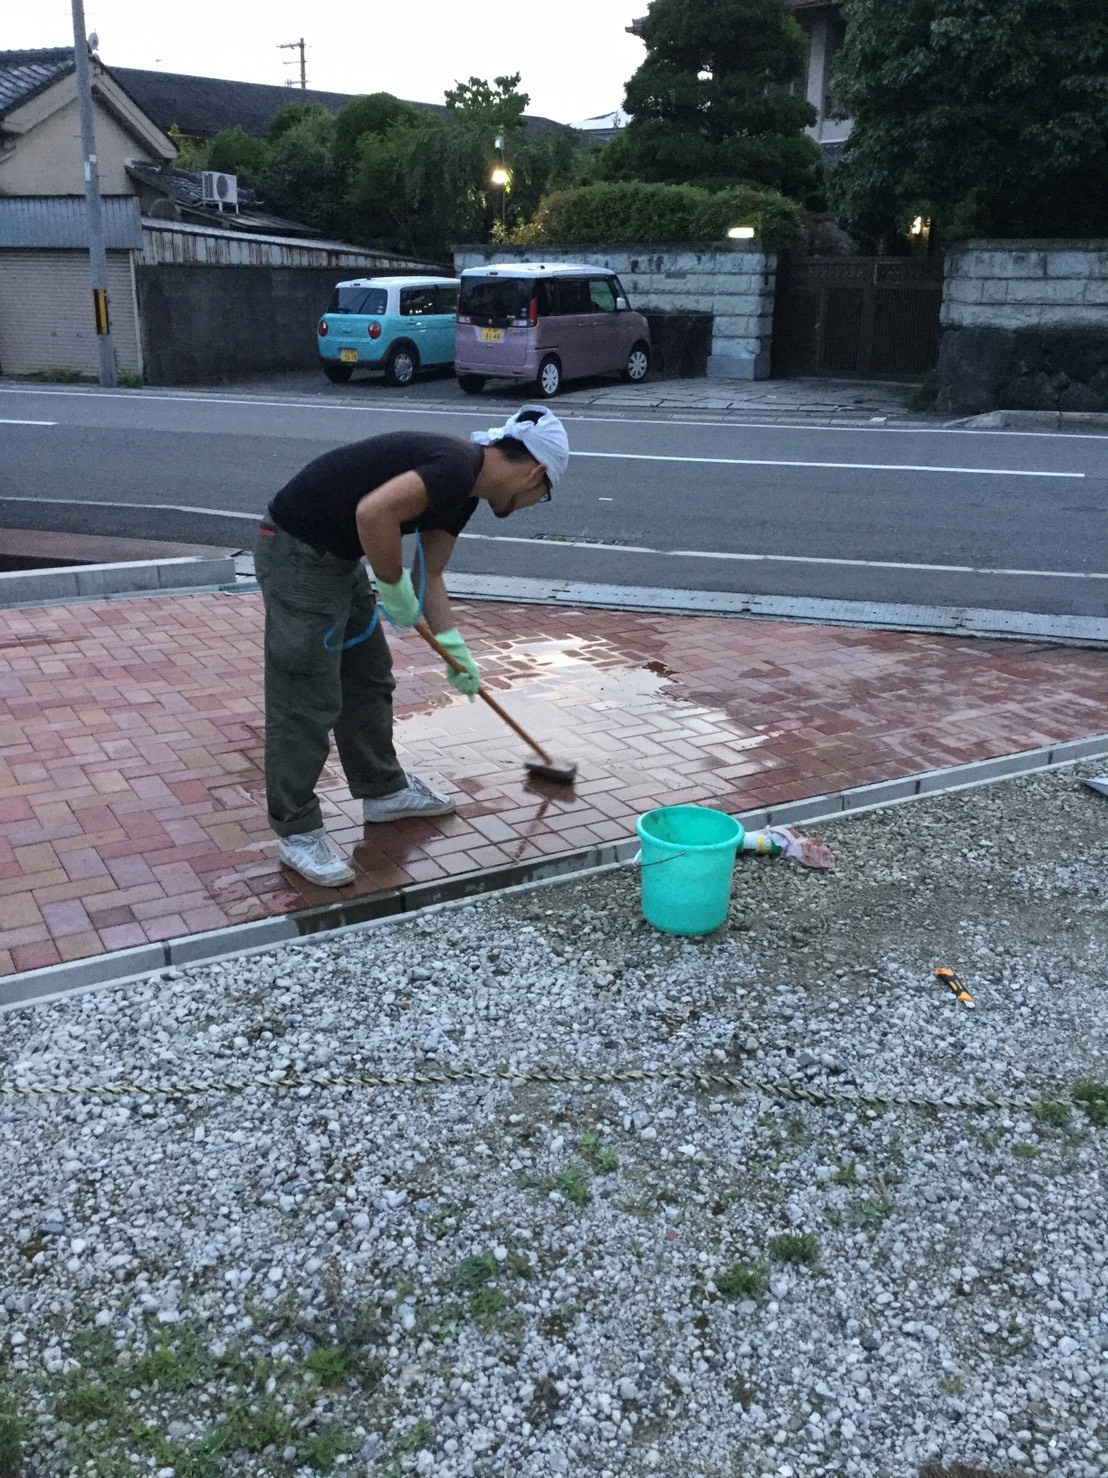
(632, 212)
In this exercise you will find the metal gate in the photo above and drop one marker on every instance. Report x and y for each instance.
(875, 316)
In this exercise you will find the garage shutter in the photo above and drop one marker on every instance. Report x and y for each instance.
(46, 312)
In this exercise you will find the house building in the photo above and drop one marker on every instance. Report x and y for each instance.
(193, 294)
(197, 108)
(823, 24)
(46, 318)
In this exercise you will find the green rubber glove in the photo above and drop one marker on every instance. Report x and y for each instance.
(399, 601)
(466, 682)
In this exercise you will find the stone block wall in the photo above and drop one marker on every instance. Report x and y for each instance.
(734, 283)
(1025, 327)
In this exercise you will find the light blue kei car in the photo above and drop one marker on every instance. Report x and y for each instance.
(396, 324)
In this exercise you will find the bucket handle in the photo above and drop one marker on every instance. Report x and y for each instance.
(637, 861)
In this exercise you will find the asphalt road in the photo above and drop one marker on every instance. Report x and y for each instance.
(915, 515)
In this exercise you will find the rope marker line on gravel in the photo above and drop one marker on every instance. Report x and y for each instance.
(451, 1077)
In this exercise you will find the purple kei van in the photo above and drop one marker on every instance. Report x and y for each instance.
(545, 323)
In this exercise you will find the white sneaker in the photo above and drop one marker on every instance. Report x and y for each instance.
(314, 858)
(416, 799)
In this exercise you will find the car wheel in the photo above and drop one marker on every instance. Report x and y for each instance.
(549, 381)
(472, 384)
(638, 362)
(401, 365)
(338, 374)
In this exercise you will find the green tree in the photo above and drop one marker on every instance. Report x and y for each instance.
(290, 116)
(239, 153)
(425, 188)
(500, 106)
(422, 189)
(300, 178)
(992, 118)
(376, 113)
(711, 104)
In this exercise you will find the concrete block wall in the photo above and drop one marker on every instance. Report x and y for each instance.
(1027, 285)
(1025, 327)
(733, 283)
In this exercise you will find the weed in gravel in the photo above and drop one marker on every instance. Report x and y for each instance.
(1092, 1097)
(13, 1429)
(444, 1323)
(328, 1364)
(600, 1156)
(796, 1247)
(94, 1349)
(743, 1280)
(1026, 1151)
(176, 1361)
(1050, 1111)
(487, 1307)
(557, 1324)
(518, 1266)
(474, 1272)
(83, 1401)
(258, 1425)
(323, 1449)
(846, 1174)
(573, 1185)
(200, 1459)
(418, 1437)
(439, 1221)
(643, 1201)
(867, 1214)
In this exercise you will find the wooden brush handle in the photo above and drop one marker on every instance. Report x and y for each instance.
(432, 641)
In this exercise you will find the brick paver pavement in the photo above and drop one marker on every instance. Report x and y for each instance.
(131, 794)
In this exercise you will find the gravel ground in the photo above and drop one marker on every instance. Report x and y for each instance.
(527, 1279)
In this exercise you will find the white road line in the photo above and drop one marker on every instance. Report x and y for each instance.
(840, 466)
(580, 413)
(5, 422)
(789, 559)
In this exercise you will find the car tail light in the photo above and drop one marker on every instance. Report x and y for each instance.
(464, 318)
(374, 330)
(533, 312)
(322, 329)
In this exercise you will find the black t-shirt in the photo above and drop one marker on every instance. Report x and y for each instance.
(319, 504)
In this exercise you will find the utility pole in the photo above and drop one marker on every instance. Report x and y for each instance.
(302, 49)
(98, 257)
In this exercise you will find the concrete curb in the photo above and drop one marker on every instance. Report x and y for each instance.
(1035, 421)
(944, 620)
(94, 582)
(193, 576)
(57, 981)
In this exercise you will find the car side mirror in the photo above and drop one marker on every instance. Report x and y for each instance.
(622, 305)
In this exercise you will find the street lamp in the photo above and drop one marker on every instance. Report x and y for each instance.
(500, 176)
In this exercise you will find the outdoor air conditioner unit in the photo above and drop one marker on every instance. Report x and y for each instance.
(220, 189)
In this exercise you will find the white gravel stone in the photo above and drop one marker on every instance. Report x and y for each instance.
(529, 1304)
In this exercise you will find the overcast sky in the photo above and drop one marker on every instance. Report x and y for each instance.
(574, 55)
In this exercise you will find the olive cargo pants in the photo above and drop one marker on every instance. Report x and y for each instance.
(310, 691)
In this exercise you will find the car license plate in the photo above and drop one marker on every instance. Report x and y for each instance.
(348, 356)
(491, 335)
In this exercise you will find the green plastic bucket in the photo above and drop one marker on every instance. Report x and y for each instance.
(688, 855)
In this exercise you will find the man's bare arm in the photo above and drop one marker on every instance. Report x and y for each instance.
(379, 516)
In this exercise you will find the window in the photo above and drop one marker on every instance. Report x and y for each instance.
(602, 294)
(494, 300)
(446, 299)
(358, 300)
(416, 302)
(571, 295)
